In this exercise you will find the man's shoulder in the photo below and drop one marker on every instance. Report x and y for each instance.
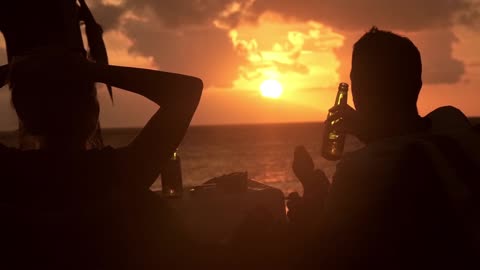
(448, 119)
(378, 156)
(375, 172)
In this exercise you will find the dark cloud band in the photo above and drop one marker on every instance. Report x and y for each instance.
(178, 16)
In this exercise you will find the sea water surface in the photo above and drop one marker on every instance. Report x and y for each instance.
(264, 151)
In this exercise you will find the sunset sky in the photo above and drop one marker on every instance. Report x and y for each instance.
(304, 46)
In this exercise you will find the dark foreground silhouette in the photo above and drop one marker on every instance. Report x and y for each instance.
(65, 206)
(409, 198)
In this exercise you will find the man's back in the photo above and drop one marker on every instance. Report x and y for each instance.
(390, 206)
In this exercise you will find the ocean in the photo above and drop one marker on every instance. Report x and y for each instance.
(264, 151)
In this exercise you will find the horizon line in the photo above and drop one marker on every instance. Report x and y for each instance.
(226, 124)
(207, 125)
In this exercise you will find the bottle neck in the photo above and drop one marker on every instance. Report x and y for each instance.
(341, 98)
(175, 155)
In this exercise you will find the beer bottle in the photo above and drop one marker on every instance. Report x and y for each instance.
(333, 140)
(171, 175)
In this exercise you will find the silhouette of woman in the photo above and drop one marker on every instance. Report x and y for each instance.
(66, 206)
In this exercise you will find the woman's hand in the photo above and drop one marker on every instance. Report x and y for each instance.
(315, 188)
(314, 181)
(302, 166)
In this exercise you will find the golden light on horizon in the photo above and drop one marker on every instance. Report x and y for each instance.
(271, 89)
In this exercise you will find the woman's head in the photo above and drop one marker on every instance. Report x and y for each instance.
(63, 113)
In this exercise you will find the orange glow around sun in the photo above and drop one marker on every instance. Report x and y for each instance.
(271, 89)
(301, 54)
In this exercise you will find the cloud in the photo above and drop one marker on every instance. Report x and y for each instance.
(177, 13)
(471, 17)
(119, 46)
(439, 65)
(406, 15)
(206, 52)
(283, 51)
(429, 21)
(180, 35)
(108, 15)
(191, 36)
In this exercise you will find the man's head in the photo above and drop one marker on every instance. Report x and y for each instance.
(386, 75)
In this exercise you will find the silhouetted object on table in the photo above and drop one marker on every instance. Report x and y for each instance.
(243, 220)
(409, 198)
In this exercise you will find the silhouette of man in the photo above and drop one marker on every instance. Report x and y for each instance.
(400, 202)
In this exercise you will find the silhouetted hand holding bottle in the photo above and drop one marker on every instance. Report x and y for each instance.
(349, 120)
(333, 141)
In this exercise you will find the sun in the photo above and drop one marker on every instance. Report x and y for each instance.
(271, 89)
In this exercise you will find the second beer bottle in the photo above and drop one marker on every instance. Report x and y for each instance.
(172, 184)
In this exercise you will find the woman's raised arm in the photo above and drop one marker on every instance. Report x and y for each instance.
(178, 97)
